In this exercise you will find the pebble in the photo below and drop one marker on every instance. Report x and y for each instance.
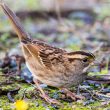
(26, 75)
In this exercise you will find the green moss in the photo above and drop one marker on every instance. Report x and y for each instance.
(4, 103)
(31, 95)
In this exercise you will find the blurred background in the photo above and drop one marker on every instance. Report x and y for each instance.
(69, 24)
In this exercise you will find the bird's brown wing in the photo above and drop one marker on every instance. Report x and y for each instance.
(47, 55)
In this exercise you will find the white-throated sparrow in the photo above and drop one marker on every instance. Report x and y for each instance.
(50, 65)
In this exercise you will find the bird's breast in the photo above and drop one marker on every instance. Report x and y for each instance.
(56, 77)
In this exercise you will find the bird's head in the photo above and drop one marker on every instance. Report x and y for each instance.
(81, 59)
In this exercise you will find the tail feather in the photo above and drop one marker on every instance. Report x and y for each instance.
(22, 34)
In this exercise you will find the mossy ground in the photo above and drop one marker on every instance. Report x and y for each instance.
(30, 94)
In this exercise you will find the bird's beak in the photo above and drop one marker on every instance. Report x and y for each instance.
(95, 63)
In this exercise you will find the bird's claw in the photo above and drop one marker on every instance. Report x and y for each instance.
(50, 100)
(73, 96)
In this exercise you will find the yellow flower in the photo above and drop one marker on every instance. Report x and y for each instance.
(21, 105)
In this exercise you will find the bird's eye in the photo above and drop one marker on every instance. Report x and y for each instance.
(85, 60)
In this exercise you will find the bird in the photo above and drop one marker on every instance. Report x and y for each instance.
(51, 65)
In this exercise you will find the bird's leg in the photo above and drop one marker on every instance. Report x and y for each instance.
(70, 94)
(43, 94)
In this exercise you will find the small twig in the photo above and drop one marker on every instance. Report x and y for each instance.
(103, 104)
(24, 94)
(102, 78)
(98, 48)
(6, 83)
(9, 94)
(92, 93)
(102, 95)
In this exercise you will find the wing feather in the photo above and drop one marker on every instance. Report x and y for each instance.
(47, 55)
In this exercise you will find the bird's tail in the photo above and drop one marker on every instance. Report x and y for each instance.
(22, 34)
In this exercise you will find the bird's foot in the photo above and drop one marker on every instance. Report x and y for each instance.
(72, 95)
(44, 96)
(50, 100)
